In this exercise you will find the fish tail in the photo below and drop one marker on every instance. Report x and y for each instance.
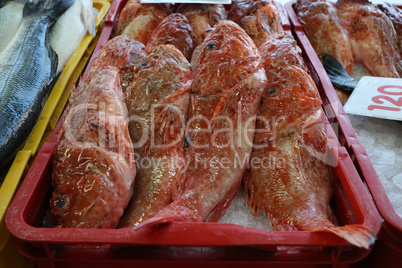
(356, 234)
(52, 8)
(338, 75)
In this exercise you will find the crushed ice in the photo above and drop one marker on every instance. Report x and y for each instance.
(239, 213)
(383, 143)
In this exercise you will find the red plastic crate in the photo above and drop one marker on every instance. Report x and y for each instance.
(186, 243)
(387, 251)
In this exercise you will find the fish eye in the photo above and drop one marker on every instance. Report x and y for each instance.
(209, 30)
(288, 40)
(272, 91)
(144, 64)
(186, 143)
(249, 192)
(211, 45)
(59, 203)
(184, 26)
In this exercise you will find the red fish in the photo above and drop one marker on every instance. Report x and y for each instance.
(202, 17)
(241, 8)
(395, 15)
(280, 50)
(372, 37)
(140, 20)
(174, 30)
(225, 97)
(258, 18)
(157, 102)
(326, 34)
(289, 177)
(323, 28)
(93, 161)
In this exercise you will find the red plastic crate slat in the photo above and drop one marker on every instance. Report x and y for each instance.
(69, 246)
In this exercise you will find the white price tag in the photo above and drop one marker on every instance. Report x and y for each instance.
(187, 1)
(377, 97)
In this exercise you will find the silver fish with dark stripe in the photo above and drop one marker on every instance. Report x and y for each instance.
(28, 67)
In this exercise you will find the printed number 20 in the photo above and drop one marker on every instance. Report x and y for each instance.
(377, 99)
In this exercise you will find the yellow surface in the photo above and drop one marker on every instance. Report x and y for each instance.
(10, 257)
(48, 119)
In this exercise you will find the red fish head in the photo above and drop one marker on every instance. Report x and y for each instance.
(293, 101)
(241, 8)
(175, 30)
(94, 194)
(227, 56)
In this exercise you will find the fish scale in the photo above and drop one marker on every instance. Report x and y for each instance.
(28, 67)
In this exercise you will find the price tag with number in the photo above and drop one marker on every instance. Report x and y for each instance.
(377, 97)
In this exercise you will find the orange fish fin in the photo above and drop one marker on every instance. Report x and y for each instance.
(154, 221)
(73, 94)
(248, 193)
(227, 103)
(169, 125)
(343, 97)
(253, 206)
(179, 95)
(356, 234)
(171, 213)
(236, 101)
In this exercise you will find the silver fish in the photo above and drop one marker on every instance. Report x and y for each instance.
(28, 67)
